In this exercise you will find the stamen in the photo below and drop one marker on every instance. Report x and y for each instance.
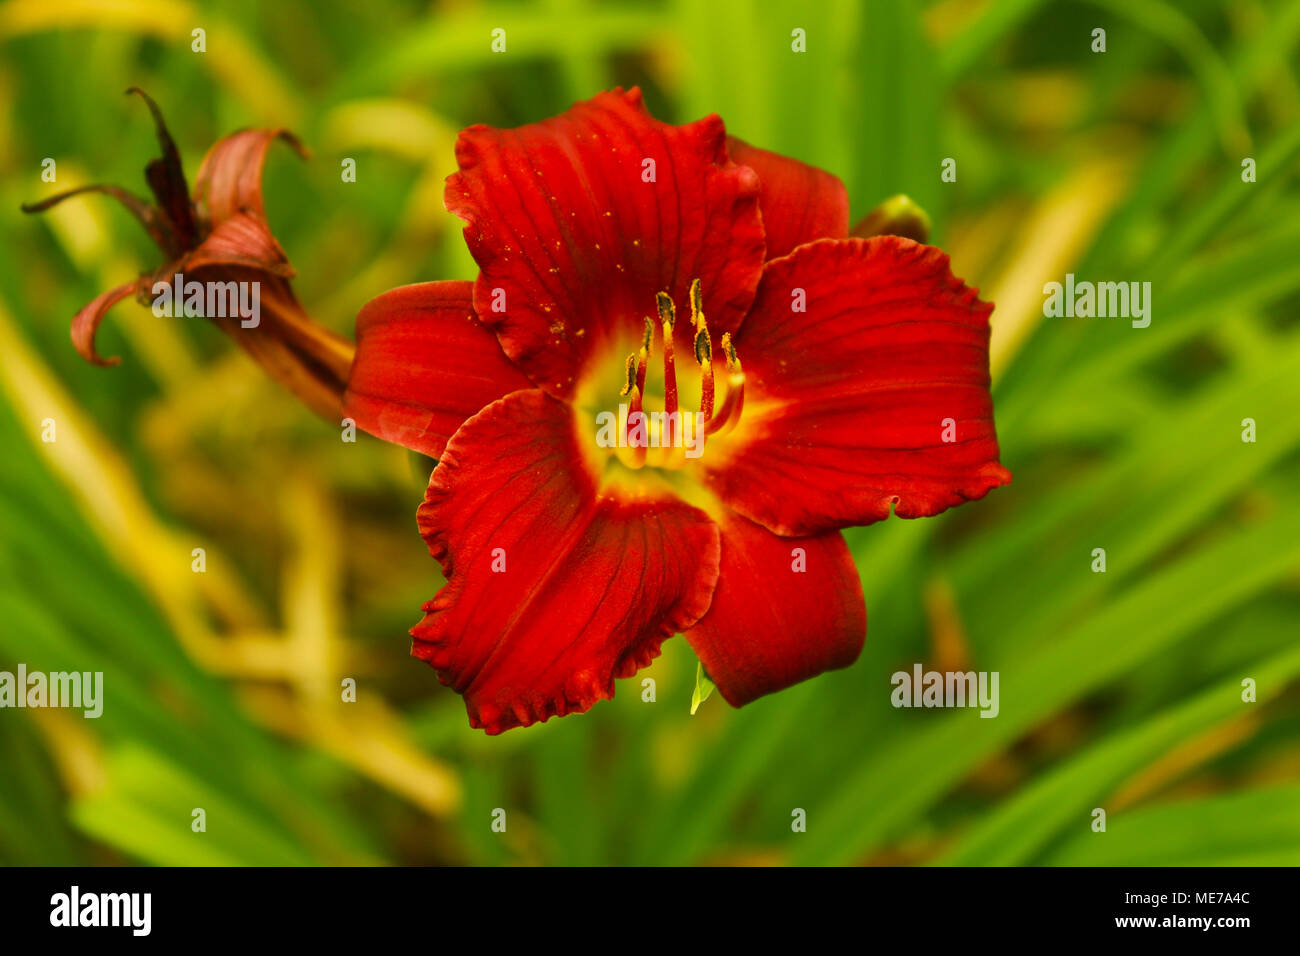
(704, 356)
(665, 436)
(643, 356)
(667, 320)
(729, 350)
(634, 406)
(629, 374)
(734, 403)
(667, 312)
(638, 447)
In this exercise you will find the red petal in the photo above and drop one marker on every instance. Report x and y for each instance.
(852, 396)
(423, 365)
(230, 177)
(592, 583)
(771, 625)
(800, 203)
(559, 219)
(86, 322)
(243, 239)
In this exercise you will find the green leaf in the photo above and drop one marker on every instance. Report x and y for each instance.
(703, 688)
(1021, 827)
(1148, 619)
(1257, 827)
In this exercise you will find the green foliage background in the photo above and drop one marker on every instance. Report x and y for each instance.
(1119, 690)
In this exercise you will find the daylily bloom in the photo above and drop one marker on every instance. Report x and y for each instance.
(220, 234)
(836, 379)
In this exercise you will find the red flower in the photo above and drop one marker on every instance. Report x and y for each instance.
(221, 235)
(569, 562)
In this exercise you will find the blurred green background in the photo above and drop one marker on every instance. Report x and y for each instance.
(1120, 690)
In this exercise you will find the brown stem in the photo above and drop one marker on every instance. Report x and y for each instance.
(306, 358)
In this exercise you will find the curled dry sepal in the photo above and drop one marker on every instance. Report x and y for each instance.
(219, 233)
(864, 391)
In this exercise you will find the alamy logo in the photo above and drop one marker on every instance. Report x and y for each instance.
(133, 910)
(946, 689)
(82, 690)
(640, 429)
(213, 300)
(1127, 300)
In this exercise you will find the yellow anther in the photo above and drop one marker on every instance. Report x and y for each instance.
(667, 313)
(733, 360)
(729, 413)
(630, 375)
(697, 305)
(703, 348)
(664, 438)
